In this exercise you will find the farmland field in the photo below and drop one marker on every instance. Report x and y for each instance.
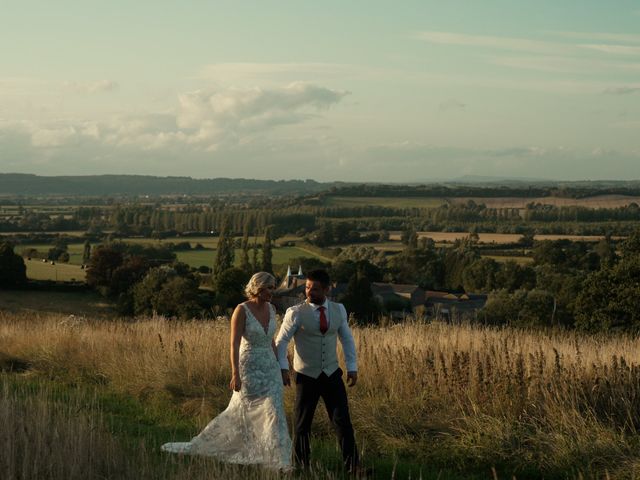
(520, 260)
(60, 272)
(598, 201)
(75, 251)
(394, 202)
(208, 241)
(281, 256)
(38, 270)
(498, 238)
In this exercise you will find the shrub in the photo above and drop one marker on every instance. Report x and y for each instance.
(13, 271)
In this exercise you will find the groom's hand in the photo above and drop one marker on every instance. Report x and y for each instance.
(286, 379)
(352, 378)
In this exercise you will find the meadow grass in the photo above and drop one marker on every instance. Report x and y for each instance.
(42, 302)
(454, 401)
(66, 432)
(60, 272)
(75, 250)
(520, 260)
(281, 256)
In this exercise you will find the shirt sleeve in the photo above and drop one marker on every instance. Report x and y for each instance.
(287, 330)
(346, 339)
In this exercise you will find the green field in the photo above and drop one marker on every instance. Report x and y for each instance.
(75, 251)
(395, 202)
(281, 256)
(205, 241)
(38, 270)
(505, 258)
(89, 303)
(60, 272)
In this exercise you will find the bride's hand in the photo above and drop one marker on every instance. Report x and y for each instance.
(235, 384)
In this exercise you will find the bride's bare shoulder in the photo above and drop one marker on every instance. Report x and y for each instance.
(239, 311)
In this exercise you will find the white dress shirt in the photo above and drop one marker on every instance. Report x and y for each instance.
(290, 326)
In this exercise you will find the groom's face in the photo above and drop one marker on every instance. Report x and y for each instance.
(316, 292)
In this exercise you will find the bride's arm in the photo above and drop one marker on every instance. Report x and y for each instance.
(273, 340)
(237, 329)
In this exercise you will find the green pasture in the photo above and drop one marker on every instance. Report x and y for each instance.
(205, 241)
(520, 260)
(88, 303)
(38, 270)
(281, 256)
(60, 272)
(75, 251)
(137, 429)
(196, 258)
(394, 202)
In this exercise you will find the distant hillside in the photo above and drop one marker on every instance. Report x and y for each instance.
(26, 184)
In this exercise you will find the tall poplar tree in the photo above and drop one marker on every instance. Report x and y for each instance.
(254, 261)
(86, 254)
(245, 264)
(225, 252)
(267, 254)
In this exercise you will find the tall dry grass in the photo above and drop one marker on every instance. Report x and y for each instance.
(41, 438)
(52, 433)
(554, 403)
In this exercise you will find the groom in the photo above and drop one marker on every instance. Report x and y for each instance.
(315, 325)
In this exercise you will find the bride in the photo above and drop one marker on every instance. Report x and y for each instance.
(253, 428)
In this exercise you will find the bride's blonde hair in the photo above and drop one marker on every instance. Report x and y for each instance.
(258, 281)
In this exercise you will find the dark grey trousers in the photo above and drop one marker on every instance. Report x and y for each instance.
(334, 395)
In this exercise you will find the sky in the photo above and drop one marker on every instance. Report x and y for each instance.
(380, 91)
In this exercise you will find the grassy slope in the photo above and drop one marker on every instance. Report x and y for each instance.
(61, 272)
(457, 398)
(86, 304)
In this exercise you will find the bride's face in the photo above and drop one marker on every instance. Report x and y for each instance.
(265, 293)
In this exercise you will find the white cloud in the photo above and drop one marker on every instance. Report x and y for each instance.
(249, 74)
(98, 86)
(229, 72)
(53, 137)
(451, 104)
(209, 114)
(535, 46)
(613, 49)
(627, 125)
(602, 36)
(203, 120)
(492, 42)
(563, 64)
(625, 90)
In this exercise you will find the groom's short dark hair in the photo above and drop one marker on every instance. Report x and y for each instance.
(321, 276)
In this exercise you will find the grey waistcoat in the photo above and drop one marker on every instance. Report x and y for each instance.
(314, 352)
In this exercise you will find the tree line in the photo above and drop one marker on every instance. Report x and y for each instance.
(589, 286)
(290, 216)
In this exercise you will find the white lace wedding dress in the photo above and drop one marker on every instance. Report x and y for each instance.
(253, 428)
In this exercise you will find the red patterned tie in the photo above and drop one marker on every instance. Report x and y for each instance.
(324, 325)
